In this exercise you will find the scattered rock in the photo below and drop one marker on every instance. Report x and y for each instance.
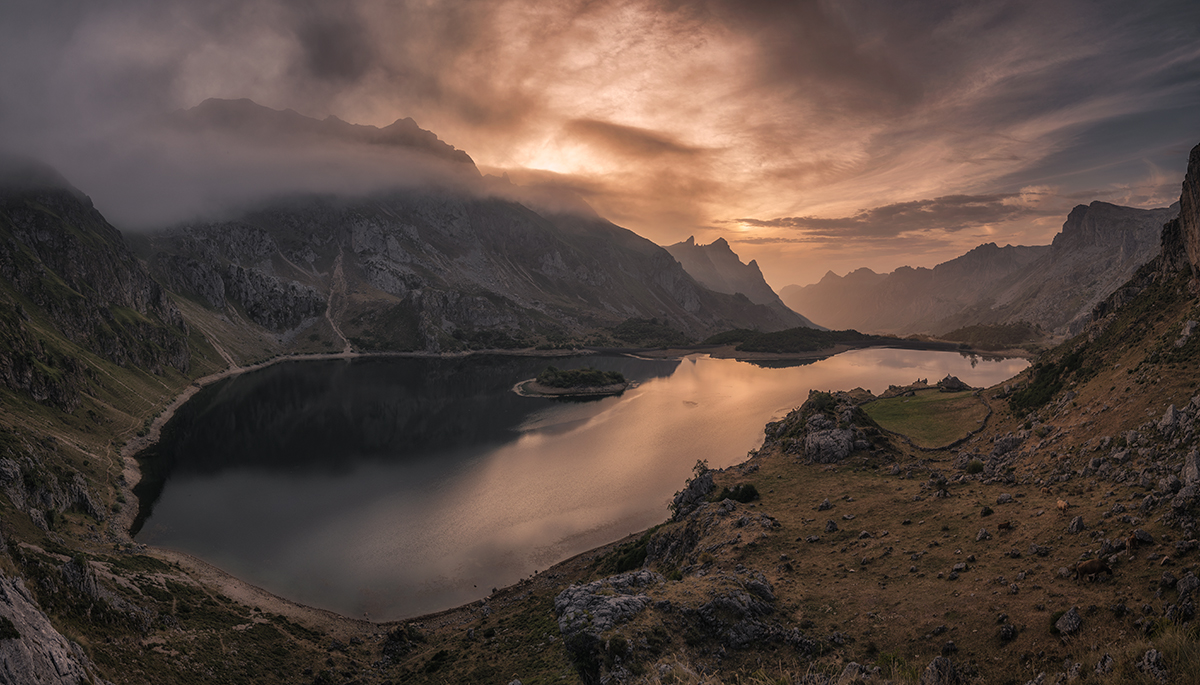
(1105, 665)
(1187, 584)
(831, 526)
(1191, 468)
(940, 671)
(1077, 525)
(824, 506)
(1153, 665)
(1069, 623)
(1167, 581)
(1004, 498)
(982, 535)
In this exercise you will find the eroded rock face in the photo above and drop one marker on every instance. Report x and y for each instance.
(825, 443)
(1189, 209)
(40, 655)
(64, 259)
(696, 493)
(603, 604)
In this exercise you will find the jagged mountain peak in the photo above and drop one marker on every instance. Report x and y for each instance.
(717, 267)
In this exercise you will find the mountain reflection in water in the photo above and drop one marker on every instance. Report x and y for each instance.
(396, 486)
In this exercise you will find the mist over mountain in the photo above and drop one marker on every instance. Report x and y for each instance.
(245, 119)
(421, 257)
(717, 267)
(1051, 286)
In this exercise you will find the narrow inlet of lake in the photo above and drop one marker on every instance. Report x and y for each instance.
(393, 487)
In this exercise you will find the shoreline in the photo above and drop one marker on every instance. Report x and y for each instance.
(264, 600)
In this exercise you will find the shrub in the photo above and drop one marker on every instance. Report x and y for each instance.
(821, 401)
(578, 378)
(975, 466)
(742, 492)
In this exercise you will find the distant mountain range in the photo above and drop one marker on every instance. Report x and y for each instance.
(1053, 287)
(718, 268)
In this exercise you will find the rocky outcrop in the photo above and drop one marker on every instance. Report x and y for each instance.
(31, 650)
(40, 494)
(603, 604)
(718, 268)
(826, 429)
(60, 255)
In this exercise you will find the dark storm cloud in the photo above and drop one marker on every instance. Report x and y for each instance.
(951, 213)
(627, 140)
(334, 41)
(810, 44)
(664, 114)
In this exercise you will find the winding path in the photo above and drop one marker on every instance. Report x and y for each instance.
(338, 283)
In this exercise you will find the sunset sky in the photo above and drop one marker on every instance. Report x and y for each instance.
(811, 135)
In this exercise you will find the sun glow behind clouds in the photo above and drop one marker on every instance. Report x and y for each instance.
(671, 118)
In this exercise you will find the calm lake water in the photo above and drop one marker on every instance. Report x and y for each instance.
(394, 487)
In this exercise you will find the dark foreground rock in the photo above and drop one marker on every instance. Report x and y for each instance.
(31, 650)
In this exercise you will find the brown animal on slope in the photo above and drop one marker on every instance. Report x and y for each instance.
(1092, 567)
(1063, 505)
(1131, 543)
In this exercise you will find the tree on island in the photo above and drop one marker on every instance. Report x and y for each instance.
(587, 377)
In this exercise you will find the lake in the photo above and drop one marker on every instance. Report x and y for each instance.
(393, 487)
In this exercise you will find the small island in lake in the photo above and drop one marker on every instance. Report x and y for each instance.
(585, 382)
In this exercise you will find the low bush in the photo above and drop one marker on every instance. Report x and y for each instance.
(742, 492)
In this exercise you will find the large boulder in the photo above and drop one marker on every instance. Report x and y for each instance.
(952, 384)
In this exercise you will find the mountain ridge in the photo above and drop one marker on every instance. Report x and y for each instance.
(1053, 287)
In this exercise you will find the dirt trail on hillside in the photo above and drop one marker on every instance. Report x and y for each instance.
(338, 284)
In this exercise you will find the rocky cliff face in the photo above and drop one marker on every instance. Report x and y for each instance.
(59, 259)
(1054, 287)
(718, 268)
(415, 269)
(1099, 248)
(1189, 209)
(1177, 243)
(31, 650)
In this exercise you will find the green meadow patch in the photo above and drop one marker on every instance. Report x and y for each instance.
(930, 418)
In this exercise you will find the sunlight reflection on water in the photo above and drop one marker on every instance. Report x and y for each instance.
(405, 525)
